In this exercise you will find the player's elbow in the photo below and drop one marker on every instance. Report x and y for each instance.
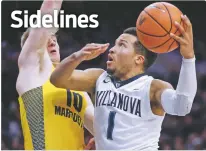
(185, 105)
(57, 82)
(188, 106)
(176, 104)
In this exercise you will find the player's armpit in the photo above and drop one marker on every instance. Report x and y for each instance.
(156, 90)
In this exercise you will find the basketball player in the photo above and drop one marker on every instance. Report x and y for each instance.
(51, 118)
(130, 105)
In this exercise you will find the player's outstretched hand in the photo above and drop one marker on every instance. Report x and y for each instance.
(49, 6)
(91, 51)
(186, 38)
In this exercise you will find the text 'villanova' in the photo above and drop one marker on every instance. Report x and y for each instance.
(118, 100)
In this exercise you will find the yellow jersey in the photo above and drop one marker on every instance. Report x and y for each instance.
(52, 118)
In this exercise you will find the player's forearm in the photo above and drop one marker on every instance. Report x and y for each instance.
(64, 70)
(41, 35)
(34, 40)
(180, 102)
(187, 84)
(48, 7)
(38, 37)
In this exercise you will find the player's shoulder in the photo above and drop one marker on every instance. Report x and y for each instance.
(159, 84)
(103, 74)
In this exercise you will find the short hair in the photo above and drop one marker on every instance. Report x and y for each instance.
(150, 57)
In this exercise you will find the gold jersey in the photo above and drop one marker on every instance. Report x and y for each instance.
(52, 118)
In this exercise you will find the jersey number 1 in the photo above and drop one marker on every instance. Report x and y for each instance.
(110, 124)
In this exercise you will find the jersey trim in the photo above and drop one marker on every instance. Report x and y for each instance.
(117, 83)
(33, 102)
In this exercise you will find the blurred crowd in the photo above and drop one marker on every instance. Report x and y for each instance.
(180, 133)
(187, 132)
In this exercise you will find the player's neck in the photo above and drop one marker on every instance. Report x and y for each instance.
(130, 74)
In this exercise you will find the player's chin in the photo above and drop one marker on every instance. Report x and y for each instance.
(110, 71)
(55, 58)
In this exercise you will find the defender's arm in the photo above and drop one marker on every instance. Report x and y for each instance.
(35, 39)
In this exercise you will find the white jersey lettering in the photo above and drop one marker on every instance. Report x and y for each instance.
(123, 115)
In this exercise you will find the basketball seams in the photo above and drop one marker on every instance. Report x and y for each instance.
(151, 34)
(167, 33)
(169, 16)
(171, 26)
(169, 43)
(167, 40)
(155, 21)
(161, 44)
(174, 39)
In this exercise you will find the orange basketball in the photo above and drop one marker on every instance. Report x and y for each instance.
(154, 25)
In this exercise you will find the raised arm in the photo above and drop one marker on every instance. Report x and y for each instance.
(178, 102)
(34, 40)
(65, 75)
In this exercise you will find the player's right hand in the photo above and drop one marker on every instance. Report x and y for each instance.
(93, 50)
(186, 38)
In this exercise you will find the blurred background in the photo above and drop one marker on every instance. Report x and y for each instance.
(180, 133)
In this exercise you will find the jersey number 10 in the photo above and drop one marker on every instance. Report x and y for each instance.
(110, 124)
(77, 103)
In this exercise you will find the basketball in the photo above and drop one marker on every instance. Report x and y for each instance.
(154, 25)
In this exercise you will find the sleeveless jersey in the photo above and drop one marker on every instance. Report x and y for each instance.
(123, 115)
(52, 118)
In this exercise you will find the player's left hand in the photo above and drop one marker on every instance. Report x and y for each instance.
(186, 38)
(90, 145)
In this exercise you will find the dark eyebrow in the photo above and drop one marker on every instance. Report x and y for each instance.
(122, 40)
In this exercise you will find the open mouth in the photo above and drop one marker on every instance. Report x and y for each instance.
(110, 58)
(53, 51)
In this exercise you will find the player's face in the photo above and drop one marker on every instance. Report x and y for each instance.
(122, 57)
(53, 49)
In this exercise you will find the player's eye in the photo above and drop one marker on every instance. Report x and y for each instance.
(121, 44)
(53, 39)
